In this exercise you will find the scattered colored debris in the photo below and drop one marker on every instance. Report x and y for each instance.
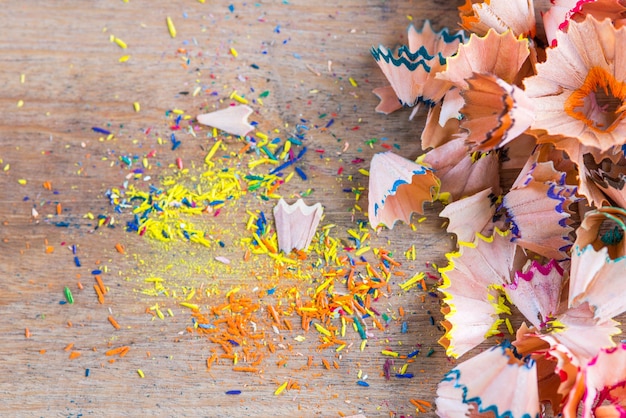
(331, 292)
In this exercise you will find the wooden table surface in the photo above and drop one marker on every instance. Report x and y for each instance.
(62, 76)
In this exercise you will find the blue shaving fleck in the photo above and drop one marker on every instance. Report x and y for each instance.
(101, 131)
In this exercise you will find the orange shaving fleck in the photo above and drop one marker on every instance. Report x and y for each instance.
(59, 208)
(273, 187)
(103, 289)
(378, 324)
(245, 369)
(258, 360)
(245, 148)
(99, 293)
(27, 333)
(74, 354)
(120, 248)
(420, 404)
(211, 360)
(274, 313)
(113, 322)
(68, 347)
(116, 351)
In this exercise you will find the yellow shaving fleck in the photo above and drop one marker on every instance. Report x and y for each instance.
(281, 388)
(322, 330)
(170, 27)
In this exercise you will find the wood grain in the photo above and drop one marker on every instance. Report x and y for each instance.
(73, 81)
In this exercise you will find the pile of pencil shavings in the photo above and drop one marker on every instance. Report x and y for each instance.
(546, 104)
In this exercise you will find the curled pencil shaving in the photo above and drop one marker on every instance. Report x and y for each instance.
(603, 385)
(411, 68)
(470, 286)
(601, 176)
(561, 356)
(463, 173)
(232, 120)
(502, 55)
(580, 90)
(296, 224)
(598, 268)
(500, 15)
(495, 112)
(581, 322)
(599, 281)
(434, 134)
(470, 215)
(579, 333)
(398, 187)
(483, 384)
(558, 16)
(536, 291)
(538, 206)
(556, 370)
